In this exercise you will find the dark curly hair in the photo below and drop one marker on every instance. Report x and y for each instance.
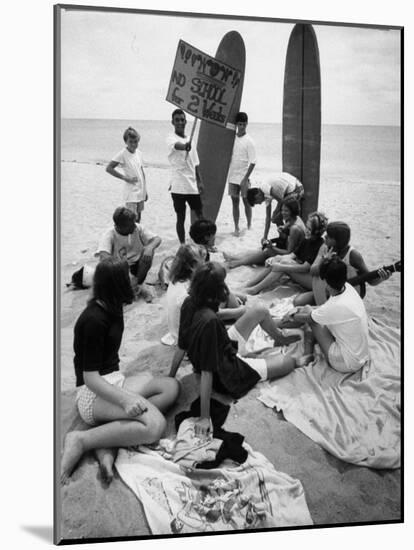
(334, 272)
(318, 223)
(293, 205)
(201, 230)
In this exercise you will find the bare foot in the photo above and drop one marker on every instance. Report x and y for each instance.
(236, 233)
(72, 452)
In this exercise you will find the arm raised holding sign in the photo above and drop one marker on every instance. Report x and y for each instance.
(185, 180)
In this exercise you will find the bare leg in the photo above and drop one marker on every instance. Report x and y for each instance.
(261, 274)
(250, 258)
(143, 267)
(319, 290)
(324, 338)
(145, 429)
(303, 279)
(232, 301)
(267, 283)
(161, 391)
(304, 298)
(236, 213)
(259, 315)
(248, 212)
(279, 365)
(120, 430)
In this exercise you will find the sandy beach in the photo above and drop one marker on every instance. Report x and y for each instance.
(336, 492)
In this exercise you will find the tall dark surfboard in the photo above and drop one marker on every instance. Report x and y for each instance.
(215, 143)
(302, 113)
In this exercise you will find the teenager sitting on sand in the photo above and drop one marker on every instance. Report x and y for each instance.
(291, 234)
(132, 242)
(339, 326)
(297, 264)
(219, 354)
(121, 411)
(188, 257)
(338, 235)
(203, 232)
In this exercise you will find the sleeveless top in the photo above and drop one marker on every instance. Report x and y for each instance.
(352, 272)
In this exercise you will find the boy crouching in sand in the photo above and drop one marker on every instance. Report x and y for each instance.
(130, 241)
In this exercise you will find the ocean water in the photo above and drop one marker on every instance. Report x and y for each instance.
(368, 154)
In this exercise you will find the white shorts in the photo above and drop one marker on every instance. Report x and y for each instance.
(256, 363)
(85, 398)
(337, 361)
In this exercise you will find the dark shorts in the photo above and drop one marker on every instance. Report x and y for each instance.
(194, 202)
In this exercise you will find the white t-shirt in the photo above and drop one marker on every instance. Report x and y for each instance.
(244, 154)
(132, 166)
(125, 247)
(281, 184)
(176, 294)
(182, 176)
(346, 318)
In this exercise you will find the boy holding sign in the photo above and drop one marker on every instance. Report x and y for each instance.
(185, 180)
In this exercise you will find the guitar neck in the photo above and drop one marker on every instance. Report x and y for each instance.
(372, 275)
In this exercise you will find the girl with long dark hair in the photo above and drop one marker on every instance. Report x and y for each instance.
(121, 411)
(218, 354)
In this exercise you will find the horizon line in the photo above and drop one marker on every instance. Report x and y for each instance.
(250, 122)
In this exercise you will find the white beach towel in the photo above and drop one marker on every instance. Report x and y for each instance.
(356, 417)
(180, 499)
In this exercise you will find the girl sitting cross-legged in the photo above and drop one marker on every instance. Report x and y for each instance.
(120, 411)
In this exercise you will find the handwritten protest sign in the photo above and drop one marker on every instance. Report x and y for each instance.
(202, 86)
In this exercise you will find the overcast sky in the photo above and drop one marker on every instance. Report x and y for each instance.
(118, 65)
